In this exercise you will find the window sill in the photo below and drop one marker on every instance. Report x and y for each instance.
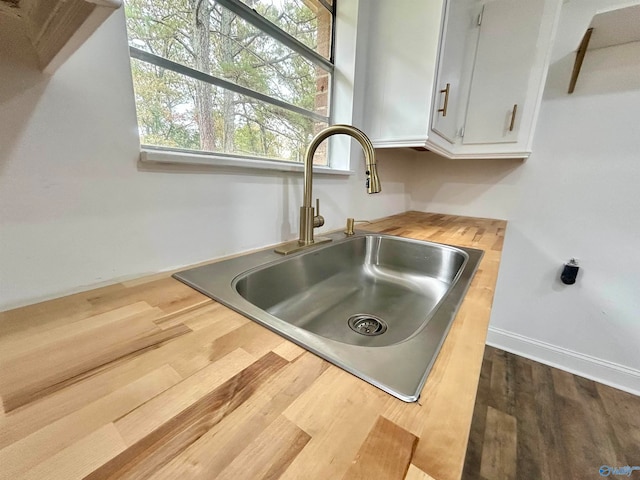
(178, 157)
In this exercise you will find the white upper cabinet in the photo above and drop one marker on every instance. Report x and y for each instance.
(463, 78)
(502, 70)
(457, 55)
(402, 51)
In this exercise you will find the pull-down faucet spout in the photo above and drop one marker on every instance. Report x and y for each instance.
(310, 219)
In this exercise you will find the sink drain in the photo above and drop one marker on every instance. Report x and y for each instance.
(366, 324)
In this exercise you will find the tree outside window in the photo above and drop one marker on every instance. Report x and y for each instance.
(208, 79)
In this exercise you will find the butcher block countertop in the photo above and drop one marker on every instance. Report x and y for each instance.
(151, 379)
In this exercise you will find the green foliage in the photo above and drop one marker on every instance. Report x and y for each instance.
(170, 106)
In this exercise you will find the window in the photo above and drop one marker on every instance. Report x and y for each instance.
(247, 78)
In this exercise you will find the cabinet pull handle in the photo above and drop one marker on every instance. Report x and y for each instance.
(480, 16)
(446, 101)
(513, 117)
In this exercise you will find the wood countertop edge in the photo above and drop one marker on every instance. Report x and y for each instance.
(364, 427)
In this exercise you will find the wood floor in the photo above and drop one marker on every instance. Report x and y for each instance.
(532, 421)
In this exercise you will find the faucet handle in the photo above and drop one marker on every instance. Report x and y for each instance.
(318, 220)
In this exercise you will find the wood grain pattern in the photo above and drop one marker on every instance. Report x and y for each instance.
(40, 371)
(149, 378)
(385, 453)
(558, 425)
(169, 439)
(229, 438)
(499, 452)
(414, 473)
(150, 417)
(38, 446)
(338, 431)
(79, 459)
(270, 454)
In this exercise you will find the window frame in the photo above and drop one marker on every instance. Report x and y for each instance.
(162, 154)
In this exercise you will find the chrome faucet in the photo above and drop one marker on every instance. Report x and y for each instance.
(310, 218)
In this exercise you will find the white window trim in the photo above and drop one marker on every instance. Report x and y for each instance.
(161, 155)
(342, 108)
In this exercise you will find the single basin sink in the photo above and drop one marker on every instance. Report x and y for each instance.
(375, 305)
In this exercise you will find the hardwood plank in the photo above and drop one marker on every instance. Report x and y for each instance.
(11, 346)
(253, 338)
(582, 436)
(338, 412)
(499, 449)
(41, 372)
(550, 441)
(26, 453)
(528, 431)
(203, 317)
(61, 357)
(410, 416)
(167, 294)
(473, 458)
(78, 460)
(33, 319)
(289, 350)
(152, 415)
(564, 384)
(566, 426)
(488, 354)
(154, 450)
(269, 455)
(414, 473)
(623, 412)
(195, 316)
(502, 395)
(477, 238)
(105, 380)
(385, 453)
(229, 438)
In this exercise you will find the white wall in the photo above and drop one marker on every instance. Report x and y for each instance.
(77, 210)
(577, 195)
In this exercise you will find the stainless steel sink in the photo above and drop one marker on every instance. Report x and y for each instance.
(375, 305)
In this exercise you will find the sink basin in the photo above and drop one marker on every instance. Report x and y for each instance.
(375, 305)
(390, 280)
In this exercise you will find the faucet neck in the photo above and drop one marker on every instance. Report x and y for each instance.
(373, 183)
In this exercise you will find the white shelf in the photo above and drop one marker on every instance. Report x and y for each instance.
(615, 27)
(607, 29)
(56, 28)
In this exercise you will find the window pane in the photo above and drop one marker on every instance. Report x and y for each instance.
(306, 20)
(214, 40)
(181, 112)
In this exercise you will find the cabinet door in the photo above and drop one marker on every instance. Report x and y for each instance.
(506, 46)
(402, 49)
(457, 53)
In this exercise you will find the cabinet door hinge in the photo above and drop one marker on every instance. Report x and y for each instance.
(461, 132)
(480, 16)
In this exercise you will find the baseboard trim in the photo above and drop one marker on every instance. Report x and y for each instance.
(609, 373)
